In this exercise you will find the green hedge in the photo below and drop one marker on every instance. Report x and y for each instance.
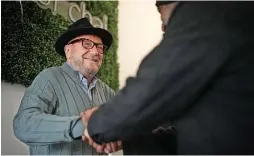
(27, 47)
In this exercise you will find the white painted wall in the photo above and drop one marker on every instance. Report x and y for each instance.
(11, 96)
(139, 32)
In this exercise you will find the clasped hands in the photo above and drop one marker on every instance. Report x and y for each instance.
(104, 148)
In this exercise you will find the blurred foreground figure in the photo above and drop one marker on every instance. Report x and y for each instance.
(200, 79)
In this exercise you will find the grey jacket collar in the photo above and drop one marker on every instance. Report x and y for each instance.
(74, 75)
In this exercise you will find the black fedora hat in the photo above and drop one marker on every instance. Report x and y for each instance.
(82, 27)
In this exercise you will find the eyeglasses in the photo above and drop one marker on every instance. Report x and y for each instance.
(88, 44)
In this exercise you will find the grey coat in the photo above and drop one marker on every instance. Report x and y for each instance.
(48, 118)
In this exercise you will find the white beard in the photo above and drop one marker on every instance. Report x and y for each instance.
(78, 66)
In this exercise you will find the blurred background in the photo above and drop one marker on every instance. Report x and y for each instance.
(30, 28)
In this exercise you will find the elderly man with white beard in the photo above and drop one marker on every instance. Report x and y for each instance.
(48, 119)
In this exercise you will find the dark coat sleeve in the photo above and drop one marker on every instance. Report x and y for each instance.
(170, 79)
(151, 144)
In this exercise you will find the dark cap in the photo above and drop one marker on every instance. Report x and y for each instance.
(160, 2)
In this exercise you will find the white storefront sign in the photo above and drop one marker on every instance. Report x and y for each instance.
(72, 12)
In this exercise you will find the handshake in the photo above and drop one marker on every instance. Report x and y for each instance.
(104, 148)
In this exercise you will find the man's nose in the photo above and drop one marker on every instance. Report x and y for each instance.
(94, 50)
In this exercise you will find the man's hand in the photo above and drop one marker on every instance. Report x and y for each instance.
(113, 147)
(106, 148)
(99, 148)
(85, 116)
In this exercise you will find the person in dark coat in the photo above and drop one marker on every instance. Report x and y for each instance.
(200, 79)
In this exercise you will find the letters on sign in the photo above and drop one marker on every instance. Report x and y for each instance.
(73, 12)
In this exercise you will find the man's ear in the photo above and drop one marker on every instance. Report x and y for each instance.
(67, 51)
